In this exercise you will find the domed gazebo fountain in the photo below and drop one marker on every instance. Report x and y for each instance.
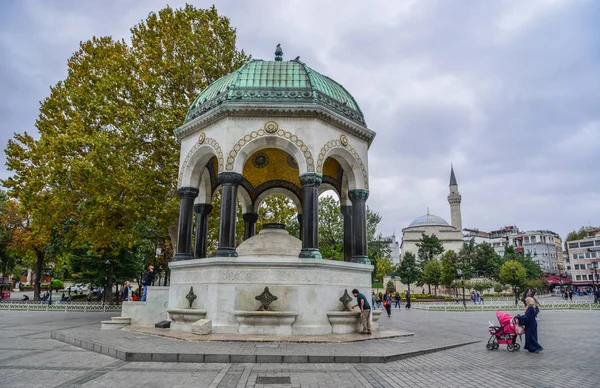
(271, 127)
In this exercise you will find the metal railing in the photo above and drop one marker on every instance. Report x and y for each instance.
(18, 305)
(504, 305)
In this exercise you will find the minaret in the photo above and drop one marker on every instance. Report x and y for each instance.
(454, 200)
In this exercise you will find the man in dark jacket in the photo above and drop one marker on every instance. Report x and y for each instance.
(365, 311)
(148, 279)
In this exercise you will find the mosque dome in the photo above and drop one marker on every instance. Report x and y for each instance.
(292, 84)
(428, 220)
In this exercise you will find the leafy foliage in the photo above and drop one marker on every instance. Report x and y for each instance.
(106, 160)
(408, 270)
(390, 287)
(429, 246)
(450, 266)
(513, 273)
(432, 273)
(331, 228)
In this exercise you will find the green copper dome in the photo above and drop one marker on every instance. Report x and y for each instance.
(269, 83)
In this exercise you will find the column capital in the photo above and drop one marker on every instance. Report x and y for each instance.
(250, 217)
(203, 208)
(187, 192)
(346, 210)
(233, 178)
(358, 195)
(311, 179)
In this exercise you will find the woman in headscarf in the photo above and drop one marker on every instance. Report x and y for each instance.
(528, 320)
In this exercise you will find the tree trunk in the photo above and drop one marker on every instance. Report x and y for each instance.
(429, 288)
(38, 275)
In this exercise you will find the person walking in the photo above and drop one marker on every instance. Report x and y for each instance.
(528, 320)
(570, 295)
(365, 311)
(148, 279)
(407, 300)
(373, 299)
(127, 292)
(398, 300)
(387, 303)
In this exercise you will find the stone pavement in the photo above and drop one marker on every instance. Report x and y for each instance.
(29, 358)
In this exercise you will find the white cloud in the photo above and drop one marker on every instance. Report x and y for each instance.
(505, 90)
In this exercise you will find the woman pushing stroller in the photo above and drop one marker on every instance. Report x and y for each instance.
(528, 320)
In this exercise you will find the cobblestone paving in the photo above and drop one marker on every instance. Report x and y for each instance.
(29, 358)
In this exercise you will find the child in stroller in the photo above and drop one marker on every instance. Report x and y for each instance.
(504, 334)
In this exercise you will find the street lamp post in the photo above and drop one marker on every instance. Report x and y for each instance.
(514, 275)
(108, 289)
(462, 283)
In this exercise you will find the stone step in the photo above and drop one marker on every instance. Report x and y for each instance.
(121, 319)
(113, 324)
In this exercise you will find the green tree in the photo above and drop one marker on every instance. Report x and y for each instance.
(432, 273)
(429, 246)
(107, 158)
(390, 287)
(408, 270)
(481, 286)
(278, 209)
(579, 234)
(467, 257)
(331, 228)
(514, 274)
(532, 268)
(450, 266)
(383, 267)
(486, 262)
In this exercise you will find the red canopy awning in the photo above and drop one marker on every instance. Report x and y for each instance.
(552, 279)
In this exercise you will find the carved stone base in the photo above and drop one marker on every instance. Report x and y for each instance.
(225, 285)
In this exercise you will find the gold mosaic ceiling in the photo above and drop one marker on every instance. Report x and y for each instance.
(271, 164)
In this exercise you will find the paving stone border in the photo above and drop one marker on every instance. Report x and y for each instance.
(265, 356)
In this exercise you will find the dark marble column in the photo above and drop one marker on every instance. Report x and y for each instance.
(229, 182)
(300, 224)
(249, 224)
(202, 212)
(359, 225)
(347, 213)
(310, 215)
(186, 219)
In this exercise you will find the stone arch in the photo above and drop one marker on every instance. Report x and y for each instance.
(262, 138)
(242, 195)
(353, 166)
(197, 158)
(204, 188)
(278, 190)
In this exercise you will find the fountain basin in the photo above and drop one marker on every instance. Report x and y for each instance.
(345, 322)
(183, 318)
(265, 322)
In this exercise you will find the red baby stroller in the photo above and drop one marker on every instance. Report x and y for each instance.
(504, 334)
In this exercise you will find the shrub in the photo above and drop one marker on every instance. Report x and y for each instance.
(57, 284)
(390, 287)
(377, 285)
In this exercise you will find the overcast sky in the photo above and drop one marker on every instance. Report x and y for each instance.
(507, 91)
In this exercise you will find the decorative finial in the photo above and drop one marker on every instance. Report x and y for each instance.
(278, 53)
(265, 299)
(345, 299)
(191, 297)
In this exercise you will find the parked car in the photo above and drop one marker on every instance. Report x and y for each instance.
(78, 287)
